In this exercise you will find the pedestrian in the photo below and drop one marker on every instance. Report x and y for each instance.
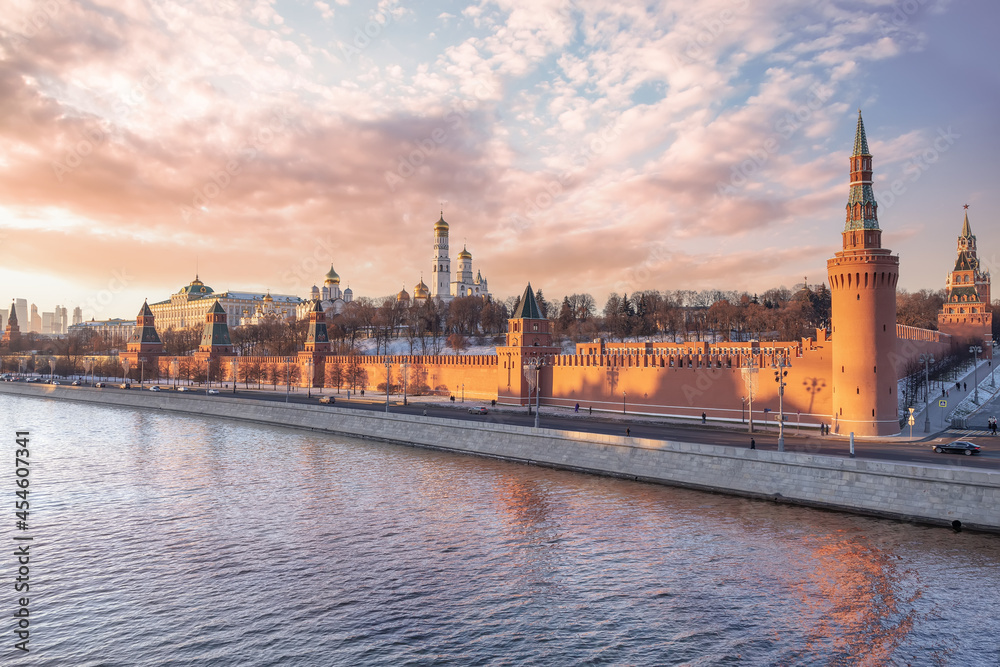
(628, 432)
(362, 393)
(425, 413)
(702, 417)
(965, 386)
(590, 410)
(577, 408)
(753, 444)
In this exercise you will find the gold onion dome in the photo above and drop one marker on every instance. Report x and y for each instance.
(465, 254)
(441, 225)
(268, 298)
(421, 290)
(403, 295)
(332, 276)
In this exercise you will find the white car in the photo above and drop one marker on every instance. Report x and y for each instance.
(184, 389)
(213, 391)
(154, 388)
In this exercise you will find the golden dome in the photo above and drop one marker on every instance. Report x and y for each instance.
(421, 291)
(268, 298)
(465, 254)
(332, 277)
(403, 295)
(441, 225)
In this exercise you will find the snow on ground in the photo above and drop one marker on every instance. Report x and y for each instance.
(968, 406)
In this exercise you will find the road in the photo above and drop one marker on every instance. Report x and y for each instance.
(888, 449)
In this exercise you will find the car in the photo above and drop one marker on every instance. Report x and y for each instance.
(184, 389)
(54, 382)
(125, 385)
(76, 383)
(959, 447)
(328, 399)
(478, 410)
(101, 385)
(154, 388)
(213, 391)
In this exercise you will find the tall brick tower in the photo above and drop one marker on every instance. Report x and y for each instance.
(863, 293)
(215, 339)
(529, 341)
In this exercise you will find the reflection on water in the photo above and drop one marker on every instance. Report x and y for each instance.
(165, 539)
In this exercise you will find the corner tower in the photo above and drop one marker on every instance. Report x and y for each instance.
(529, 343)
(863, 298)
(144, 337)
(441, 272)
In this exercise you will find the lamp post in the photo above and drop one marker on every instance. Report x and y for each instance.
(142, 371)
(52, 368)
(388, 376)
(623, 402)
(406, 371)
(288, 378)
(125, 371)
(976, 350)
(309, 380)
(234, 373)
(743, 409)
(534, 365)
(174, 368)
(927, 360)
(779, 376)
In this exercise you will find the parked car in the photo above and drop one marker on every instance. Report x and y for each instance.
(125, 385)
(154, 388)
(76, 383)
(101, 385)
(959, 447)
(478, 410)
(213, 391)
(328, 399)
(184, 389)
(54, 382)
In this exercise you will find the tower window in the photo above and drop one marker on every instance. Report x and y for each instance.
(859, 391)
(873, 412)
(859, 297)
(874, 369)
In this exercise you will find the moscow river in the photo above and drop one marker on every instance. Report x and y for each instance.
(161, 539)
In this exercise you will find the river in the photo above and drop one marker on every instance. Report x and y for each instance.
(163, 539)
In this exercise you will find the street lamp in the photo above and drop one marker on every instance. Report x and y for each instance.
(288, 378)
(125, 365)
(534, 365)
(234, 374)
(388, 376)
(976, 350)
(927, 360)
(779, 376)
(406, 371)
(743, 409)
(623, 402)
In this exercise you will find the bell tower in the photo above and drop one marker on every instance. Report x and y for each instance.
(863, 302)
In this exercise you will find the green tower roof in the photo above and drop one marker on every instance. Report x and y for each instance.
(527, 307)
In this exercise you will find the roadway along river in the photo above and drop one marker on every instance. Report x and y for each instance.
(162, 539)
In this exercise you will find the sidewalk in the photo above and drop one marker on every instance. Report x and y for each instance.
(940, 418)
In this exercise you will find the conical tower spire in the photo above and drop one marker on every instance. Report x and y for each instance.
(966, 228)
(861, 228)
(860, 139)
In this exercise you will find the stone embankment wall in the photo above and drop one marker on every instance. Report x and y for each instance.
(923, 493)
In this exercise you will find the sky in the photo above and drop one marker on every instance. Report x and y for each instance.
(588, 146)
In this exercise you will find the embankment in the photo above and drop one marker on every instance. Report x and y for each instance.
(929, 494)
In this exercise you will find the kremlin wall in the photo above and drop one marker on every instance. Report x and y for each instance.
(845, 378)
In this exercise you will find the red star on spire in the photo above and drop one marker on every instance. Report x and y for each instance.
(966, 206)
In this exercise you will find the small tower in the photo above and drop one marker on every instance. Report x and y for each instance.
(12, 334)
(465, 281)
(215, 340)
(144, 337)
(331, 285)
(863, 302)
(529, 341)
(317, 339)
(966, 313)
(441, 270)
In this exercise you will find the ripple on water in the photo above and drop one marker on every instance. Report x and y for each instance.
(175, 540)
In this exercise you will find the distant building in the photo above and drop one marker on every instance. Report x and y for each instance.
(35, 321)
(189, 306)
(966, 314)
(115, 332)
(331, 298)
(21, 307)
(48, 319)
(77, 315)
(443, 288)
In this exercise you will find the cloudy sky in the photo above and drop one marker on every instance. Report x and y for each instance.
(587, 146)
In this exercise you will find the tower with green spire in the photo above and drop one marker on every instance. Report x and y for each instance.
(863, 311)
(144, 338)
(529, 345)
(215, 338)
